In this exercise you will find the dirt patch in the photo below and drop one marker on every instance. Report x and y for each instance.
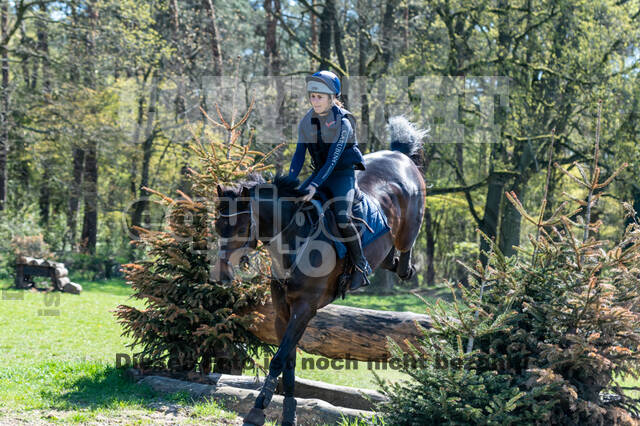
(163, 413)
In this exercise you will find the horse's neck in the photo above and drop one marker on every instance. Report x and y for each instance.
(282, 247)
(278, 269)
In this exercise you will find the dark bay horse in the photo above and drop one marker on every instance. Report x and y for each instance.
(305, 278)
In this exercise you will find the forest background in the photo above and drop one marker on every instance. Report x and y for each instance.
(99, 99)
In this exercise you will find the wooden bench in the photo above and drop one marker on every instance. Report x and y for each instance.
(28, 267)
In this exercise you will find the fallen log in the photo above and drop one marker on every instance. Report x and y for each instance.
(308, 411)
(342, 332)
(72, 288)
(61, 271)
(341, 396)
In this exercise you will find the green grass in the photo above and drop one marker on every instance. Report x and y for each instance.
(58, 353)
(403, 302)
(58, 356)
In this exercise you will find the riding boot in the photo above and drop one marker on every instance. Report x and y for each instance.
(354, 246)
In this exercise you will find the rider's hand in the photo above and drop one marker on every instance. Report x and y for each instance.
(309, 195)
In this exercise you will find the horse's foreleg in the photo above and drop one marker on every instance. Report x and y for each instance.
(405, 269)
(301, 314)
(288, 386)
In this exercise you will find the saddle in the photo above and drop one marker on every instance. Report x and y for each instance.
(367, 216)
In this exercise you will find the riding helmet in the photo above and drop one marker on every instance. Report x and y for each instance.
(323, 82)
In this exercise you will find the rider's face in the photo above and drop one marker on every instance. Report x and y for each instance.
(321, 102)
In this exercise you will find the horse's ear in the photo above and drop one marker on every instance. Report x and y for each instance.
(244, 192)
(219, 189)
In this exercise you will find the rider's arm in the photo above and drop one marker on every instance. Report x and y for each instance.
(298, 157)
(308, 180)
(334, 153)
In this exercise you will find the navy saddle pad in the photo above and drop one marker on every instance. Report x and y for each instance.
(364, 209)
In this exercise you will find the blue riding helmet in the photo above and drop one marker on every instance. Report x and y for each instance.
(323, 82)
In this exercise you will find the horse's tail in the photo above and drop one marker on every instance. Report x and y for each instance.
(406, 138)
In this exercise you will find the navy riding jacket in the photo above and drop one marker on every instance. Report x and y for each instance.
(331, 141)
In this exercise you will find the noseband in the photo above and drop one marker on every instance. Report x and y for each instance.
(250, 239)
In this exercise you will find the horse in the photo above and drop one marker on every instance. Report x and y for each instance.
(270, 212)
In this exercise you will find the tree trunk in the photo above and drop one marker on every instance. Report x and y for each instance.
(386, 283)
(43, 48)
(90, 223)
(388, 29)
(489, 223)
(272, 69)
(511, 221)
(272, 60)
(75, 194)
(343, 332)
(147, 151)
(364, 139)
(44, 202)
(337, 42)
(213, 34)
(4, 104)
(430, 276)
(90, 187)
(314, 35)
(24, 57)
(326, 28)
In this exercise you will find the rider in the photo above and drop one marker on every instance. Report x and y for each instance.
(328, 131)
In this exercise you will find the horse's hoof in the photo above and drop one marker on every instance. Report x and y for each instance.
(289, 412)
(410, 273)
(254, 418)
(394, 267)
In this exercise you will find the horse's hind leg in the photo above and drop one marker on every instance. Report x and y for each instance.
(405, 270)
(391, 261)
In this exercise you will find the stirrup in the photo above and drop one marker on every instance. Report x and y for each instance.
(365, 280)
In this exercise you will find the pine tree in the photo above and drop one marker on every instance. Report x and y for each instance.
(189, 319)
(541, 337)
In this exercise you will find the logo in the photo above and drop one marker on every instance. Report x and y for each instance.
(329, 124)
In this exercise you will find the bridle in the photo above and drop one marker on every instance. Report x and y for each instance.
(250, 238)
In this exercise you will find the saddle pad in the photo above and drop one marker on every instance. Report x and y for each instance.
(369, 210)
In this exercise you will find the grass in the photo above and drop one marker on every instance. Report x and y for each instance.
(58, 356)
(58, 359)
(402, 302)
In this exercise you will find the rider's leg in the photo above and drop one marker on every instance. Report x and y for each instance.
(342, 186)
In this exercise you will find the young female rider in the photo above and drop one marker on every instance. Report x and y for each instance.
(328, 132)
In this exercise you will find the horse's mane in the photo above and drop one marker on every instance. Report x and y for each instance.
(252, 179)
(287, 186)
(233, 189)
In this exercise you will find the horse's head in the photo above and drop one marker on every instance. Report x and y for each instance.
(251, 211)
(234, 226)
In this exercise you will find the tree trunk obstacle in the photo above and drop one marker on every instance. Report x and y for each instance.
(336, 332)
(317, 402)
(342, 332)
(27, 267)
